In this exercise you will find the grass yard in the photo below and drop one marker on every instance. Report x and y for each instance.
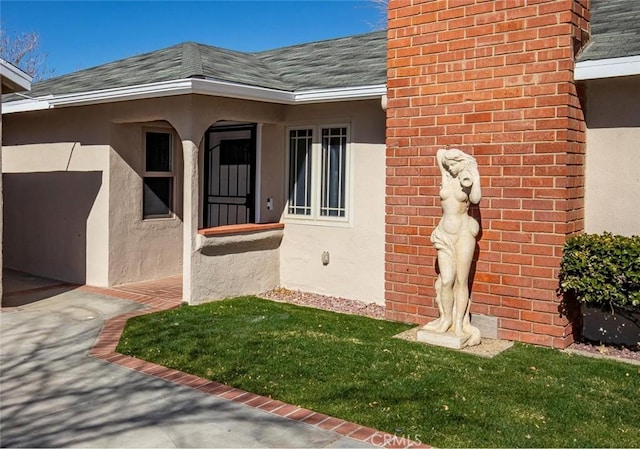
(350, 367)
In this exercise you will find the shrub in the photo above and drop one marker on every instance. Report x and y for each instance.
(602, 269)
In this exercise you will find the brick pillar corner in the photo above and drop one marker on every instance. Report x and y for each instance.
(495, 79)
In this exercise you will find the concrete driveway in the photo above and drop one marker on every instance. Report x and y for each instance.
(55, 395)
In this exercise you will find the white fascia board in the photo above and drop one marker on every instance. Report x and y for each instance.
(241, 91)
(341, 94)
(139, 92)
(225, 89)
(31, 104)
(607, 68)
(19, 80)
(152, 90)
(196, 86)
(177, 87)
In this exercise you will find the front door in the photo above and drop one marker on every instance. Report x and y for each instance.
(229, 177)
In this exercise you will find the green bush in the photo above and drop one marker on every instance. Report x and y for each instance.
(602, 269)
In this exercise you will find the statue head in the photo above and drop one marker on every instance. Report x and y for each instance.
(460, 165)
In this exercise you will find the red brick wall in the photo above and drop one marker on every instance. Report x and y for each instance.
(495, 79)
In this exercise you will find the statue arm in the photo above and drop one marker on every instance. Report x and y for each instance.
(439, 158)
(476, 194)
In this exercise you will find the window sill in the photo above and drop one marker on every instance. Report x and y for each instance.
(314, 221)
(152, 218)
(240, 229)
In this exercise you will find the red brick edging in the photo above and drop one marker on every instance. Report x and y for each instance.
(105, 349)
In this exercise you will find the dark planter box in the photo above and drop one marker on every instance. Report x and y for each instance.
(620, 326)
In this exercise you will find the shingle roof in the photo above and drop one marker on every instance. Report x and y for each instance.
(352, 61)
(345, 62)
(615, 30)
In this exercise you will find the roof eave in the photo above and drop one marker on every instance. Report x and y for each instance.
(13, 78)
(370, 92)
(196, 86)
(607, 68)
(241, 91)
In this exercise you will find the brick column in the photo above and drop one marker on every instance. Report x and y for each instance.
(495, 79)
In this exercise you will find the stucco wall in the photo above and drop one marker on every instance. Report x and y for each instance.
(356, 250)
(19, 82)
(613, 156)
(56, 210)
(235, 265)
(272, 172)
(140, 249)
(148, 249)
(118, 246)
(121, 247)
(1, 212)
(356, 268)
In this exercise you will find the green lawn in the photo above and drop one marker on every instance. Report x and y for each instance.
(350, 367)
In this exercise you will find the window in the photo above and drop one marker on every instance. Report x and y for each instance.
(158, 189)
(334, 157)
(300, 141)
(318, 172)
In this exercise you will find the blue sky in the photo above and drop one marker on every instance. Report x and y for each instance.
(80, 34)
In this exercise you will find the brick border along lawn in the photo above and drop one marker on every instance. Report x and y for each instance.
(163, 295)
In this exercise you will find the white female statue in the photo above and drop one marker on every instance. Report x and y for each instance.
(455, 240)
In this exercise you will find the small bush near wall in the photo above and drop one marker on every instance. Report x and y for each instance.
(602, 269)
(603, 273)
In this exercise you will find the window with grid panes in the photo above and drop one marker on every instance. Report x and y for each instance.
(158, 180)
(318, 163)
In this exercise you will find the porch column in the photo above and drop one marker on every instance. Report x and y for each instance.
(190, 213)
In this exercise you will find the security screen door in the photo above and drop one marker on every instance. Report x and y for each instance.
(229, 183)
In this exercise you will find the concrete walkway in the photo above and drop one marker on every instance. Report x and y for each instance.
(63, 386)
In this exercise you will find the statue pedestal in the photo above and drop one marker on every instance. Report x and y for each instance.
(444, 339)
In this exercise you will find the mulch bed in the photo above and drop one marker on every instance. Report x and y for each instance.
(598, 350)
(332, 303)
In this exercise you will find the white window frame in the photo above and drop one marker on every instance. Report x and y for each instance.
(160, 174)
(315, 218)
(288, 172)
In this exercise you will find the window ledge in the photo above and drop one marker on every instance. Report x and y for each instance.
(244, 238)
(240, 229)
(336, 223)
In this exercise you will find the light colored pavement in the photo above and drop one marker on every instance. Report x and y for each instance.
(53, 394)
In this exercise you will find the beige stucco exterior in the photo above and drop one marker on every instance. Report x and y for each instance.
(76, 174)
(57, 211)
(236, 264)
(88, 160)
(356, 268)
(141, 249)
(613, 156)
(12, 80)
(356, 249)
(111, 244)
